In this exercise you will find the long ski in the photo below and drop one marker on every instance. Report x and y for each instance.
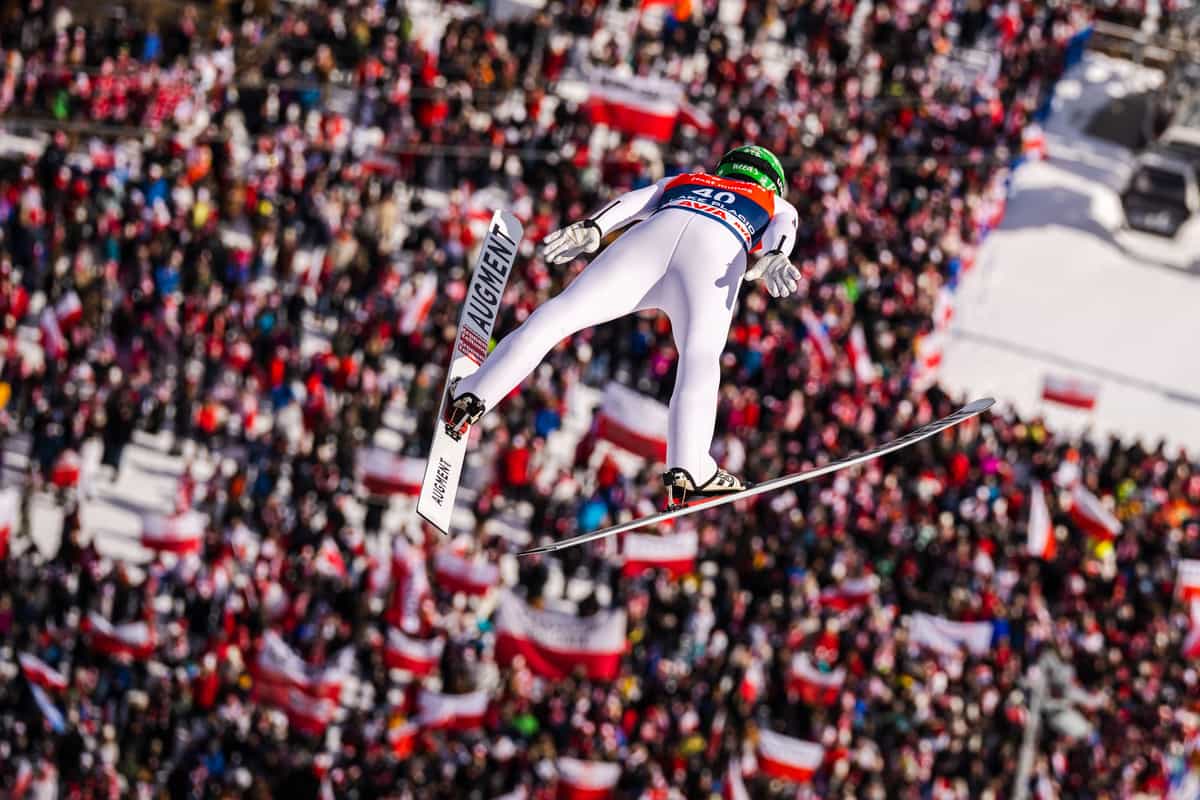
(481, 306)
(972, 409)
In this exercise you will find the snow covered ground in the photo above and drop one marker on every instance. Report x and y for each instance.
(1061, 289)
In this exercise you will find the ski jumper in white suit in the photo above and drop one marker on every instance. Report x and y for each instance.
(686, 257)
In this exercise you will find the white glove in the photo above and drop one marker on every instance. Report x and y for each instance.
(577, 239)
(781, 276)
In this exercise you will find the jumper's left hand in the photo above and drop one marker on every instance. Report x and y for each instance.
(779, 273)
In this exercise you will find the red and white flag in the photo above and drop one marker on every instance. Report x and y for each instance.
(948, 637)
(1090, 514)
(788, 758)
(734, 787)
(385, 473)
(697, 117)
(1188, 582)
(401, 739)
(1070, 392)
(410, 585)
(460, 712)
(638, 106)
(175, 533)
(280, 665)
(10, 506)
(456, 573)
(1042, 543)
(65, 472)
(753, 680)
(130, 639)
(41, 673)
(305, 713)
(416, 308)
(850, 593)
(68, 310)
(1191, 642)
(418, 656)
(860, 356)
(586, 780)
(328, 560)
(818, 337)
(633, 421)
(554, 644)
(814, 686)
(54, 344)
(676, 553)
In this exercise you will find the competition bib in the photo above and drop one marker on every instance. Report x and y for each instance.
(742, 207)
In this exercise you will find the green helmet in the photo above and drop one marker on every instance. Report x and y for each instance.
(755, 164)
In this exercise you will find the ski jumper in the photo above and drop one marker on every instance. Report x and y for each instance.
(685, 257)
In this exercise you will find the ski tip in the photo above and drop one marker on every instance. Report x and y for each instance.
(976, 406)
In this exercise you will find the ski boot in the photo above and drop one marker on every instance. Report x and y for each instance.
(462, 412)
(682, 490)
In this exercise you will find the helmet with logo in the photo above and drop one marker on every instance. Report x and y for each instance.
(755, 164)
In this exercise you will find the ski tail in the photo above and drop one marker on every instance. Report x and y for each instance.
(968, 411)
(481, 307)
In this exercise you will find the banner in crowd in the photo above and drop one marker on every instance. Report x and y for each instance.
(410, 584)
(554, 643)
(54, 717)
(460, 712)
(1070, 392)
(130, 639)
(814, 686)
(850, 593)
(818, 338)
(173, 533)
(586, 780)
(633, 421)
(734, 787)
(305, 713)
(640, 105)
(865, 371)
(1188, 581)
(1042, 543)
(10, 508)
(457, 573)
(418, 656)
(39, 672)
(401, 738)
(416, 308)
(675, 553)
(788, 758)
(280, 665)
(1091, 516)
(386, 473)
(948, 637)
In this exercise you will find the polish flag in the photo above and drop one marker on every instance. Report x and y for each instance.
(818, 337)
(697, 117)
(460, 712)
(401, 738)
(54, 344)
(416, 308)
(753, 681)
(10, 504)
(130, 639)
(386, 473)
(948, 637)
(1070, 392)
(418, 656)
(814, 686)
(586, 780)
(328, 560)
(734, 787)
(850, 593)
(305, 713)
(788, 758)
(54, 717)
(554, 644)
(1042, 543)
(177, 533)
(633, 421)
(68, 310)
(675, 553)
(41, 673)
(410, 585)
(639, 106)
(860, 356)
(280, 665)
(1191, 642)
(456, 573)
(1188, 582)
(1090, 514)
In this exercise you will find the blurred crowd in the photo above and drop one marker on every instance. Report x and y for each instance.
(222, 246)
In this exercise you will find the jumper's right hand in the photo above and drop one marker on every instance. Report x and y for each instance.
(778, 272)
(577, 239)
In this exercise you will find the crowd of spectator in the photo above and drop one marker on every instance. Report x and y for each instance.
(244, 199)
